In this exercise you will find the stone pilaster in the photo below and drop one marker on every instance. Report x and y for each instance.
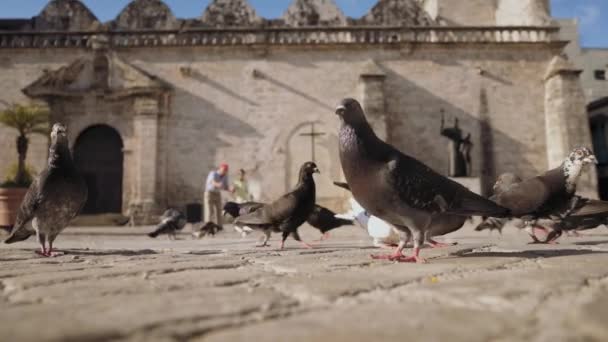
(144, 203)
(566, 122)
(371, 93)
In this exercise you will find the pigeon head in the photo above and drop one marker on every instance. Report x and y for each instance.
(307, 170)
(350, 112)
(310, 168)
(232, 209)
(59, 152)
(582, 155)
(574, 165)
(59, 133)
(504, 181)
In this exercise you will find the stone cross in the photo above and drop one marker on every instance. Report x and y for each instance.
(313, 135)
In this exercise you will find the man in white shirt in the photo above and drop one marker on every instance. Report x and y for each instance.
(217, 180)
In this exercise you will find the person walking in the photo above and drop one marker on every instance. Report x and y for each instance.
(241, 188)
(217, 180)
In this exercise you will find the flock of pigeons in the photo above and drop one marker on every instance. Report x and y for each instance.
(395, 196)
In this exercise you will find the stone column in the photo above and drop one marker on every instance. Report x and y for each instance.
(371, 90)
(144, 204)
(566, 121)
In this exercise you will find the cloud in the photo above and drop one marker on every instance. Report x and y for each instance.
(588, 14)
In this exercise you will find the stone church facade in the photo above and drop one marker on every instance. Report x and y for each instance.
(153, 102)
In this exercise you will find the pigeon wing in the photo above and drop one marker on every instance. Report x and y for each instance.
(26, 213)
(272, 213)
(525, 197)
(422, 188)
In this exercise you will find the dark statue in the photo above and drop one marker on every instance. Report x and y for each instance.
(459, 150)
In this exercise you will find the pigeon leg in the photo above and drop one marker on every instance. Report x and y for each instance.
(285, 235)
(266, 238)
(418, 241)
(42, 241)
(553, 236)
(325, 236)
(296, 236)
(50, 253)
(404, 237)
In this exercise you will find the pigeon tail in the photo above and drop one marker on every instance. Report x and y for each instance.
(590, 207)
(475, 205)
(492, 223)
(18, 235)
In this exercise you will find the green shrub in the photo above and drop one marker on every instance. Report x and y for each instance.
(11, 175)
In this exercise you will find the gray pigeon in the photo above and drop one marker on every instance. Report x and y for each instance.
(503, 183)
(53, 199)
(171, 222)
(550, 193)
(288, 212)
(398, 188)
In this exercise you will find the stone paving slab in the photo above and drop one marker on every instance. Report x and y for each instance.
(115, 283)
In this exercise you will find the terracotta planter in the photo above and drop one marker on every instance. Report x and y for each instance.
(10, 200)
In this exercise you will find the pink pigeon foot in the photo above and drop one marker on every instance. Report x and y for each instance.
(399, 257)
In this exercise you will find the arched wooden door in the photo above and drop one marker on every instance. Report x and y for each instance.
(98, 155)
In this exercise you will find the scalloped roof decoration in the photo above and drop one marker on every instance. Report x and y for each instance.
(146, 14)
(230, 13)
(65, 15)
(397, 13)
(314, 13)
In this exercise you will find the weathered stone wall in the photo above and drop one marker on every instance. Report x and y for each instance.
(523, 13)
(247, 107)
(462, 12)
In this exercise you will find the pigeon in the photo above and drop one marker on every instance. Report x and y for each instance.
(325, 220)
(288, 212)
(398, 188)
(171, 222)
(440, 225)
(583, 214)
(210, 228)
(549, 193)
(235, 210)
(53, 199)
(383, 234)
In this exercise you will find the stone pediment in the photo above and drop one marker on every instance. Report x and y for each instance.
(314, 13)
(66, 15)
(227, 13)
(397, 13)
(147, 15)
(102, 73)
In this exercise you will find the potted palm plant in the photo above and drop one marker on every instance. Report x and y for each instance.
(27, 119)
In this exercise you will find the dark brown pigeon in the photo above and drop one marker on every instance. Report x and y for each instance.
(325, 220)
(288, 212)
(53, 199)
(171, 222)
(398, 188)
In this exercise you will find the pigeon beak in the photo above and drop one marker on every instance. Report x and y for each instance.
(591, 159)
(340, 110)
(316, 170)
(224, 212)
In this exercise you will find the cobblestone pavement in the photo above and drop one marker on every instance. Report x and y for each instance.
(118, 284)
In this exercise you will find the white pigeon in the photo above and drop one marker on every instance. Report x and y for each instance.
(384, 234)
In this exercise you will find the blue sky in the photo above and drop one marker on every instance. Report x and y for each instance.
(593, 14)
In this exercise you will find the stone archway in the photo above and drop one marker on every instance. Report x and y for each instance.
(98, 154)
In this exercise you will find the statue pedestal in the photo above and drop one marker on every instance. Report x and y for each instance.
(471, 183)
